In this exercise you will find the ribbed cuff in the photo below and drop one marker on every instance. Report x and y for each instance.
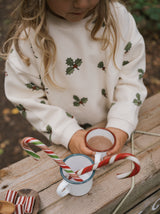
(121, 124)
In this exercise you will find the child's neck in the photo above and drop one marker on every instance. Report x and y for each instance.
(88, 14)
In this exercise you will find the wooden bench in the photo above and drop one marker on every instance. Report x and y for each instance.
(107, 191)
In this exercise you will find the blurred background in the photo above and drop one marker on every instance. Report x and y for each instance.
(12, 125)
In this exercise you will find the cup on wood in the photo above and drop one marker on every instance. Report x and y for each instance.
(100, 140)
(70, 186)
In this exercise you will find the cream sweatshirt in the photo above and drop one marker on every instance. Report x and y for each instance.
(91, 88)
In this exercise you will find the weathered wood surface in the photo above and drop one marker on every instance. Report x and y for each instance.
(151, 205)
(44, 177)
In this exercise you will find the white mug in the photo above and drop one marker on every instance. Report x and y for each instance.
(70, 186)
(100, 132)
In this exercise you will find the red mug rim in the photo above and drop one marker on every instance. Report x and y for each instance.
(99, 150)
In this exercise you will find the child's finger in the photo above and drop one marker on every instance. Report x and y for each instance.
(117, 148)
(87, 151)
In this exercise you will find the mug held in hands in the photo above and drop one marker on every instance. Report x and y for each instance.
(100, 140)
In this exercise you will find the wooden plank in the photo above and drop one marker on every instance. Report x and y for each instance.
(143, 142)
(138, 194)
(105, 190)
(29, 173)
(149, 113)
(150, 205)
(150, 104)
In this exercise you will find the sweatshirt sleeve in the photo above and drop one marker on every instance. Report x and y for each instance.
(130, 92)
(26, 90)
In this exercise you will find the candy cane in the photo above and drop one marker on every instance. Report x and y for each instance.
(30, 140)
(21, 199)
(11, 196)
(29, 204)
(112, 159)
(19, 209)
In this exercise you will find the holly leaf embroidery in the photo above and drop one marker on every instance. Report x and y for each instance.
(76, 98)
(125, 62)
(84, 100)
(76, 103)
(86, 125)
(72, 65)
(79, 101)
(69, 70)
(22, 110)
(137, 101)
(78, 62)
(33, 86)
(141, 73)
(49, 131)
(103, 91)
(43, 102)
(69, 61)
(128, 47)
(69, 115)
(101, 65)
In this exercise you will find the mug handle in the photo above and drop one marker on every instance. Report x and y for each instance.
(62, 189)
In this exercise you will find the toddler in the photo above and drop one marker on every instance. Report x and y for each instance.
(71, 64)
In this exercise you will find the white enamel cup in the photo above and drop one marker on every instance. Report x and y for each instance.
(100, 153)
(69, 186)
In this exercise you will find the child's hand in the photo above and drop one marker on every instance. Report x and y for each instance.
(77, 144)
(121, 138)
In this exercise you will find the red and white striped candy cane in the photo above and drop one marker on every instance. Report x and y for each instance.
(21, 199)
(29, 204)
(112, 159)
(11, 196)
(30, 140)
(19, 209)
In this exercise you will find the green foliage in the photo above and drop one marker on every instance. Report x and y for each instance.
(1, 151)
(146, 13)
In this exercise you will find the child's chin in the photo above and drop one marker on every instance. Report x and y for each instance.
(75, 17)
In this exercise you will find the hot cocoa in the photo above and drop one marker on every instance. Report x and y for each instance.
(99, 143)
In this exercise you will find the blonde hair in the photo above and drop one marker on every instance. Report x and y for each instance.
(32, 14)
